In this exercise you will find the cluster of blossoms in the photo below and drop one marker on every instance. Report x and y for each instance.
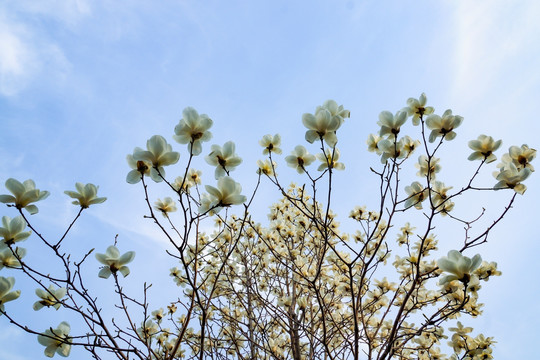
(322, 126)
(23, 195)
(193, 129)
(297, 287)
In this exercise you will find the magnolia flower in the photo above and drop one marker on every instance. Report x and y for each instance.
(417, 108)
(10, 258)
(208, 205)
(439, 197)
(271, 144)
(159, 154)
(443, 126)
(520, 156)
(85, 195)
(193, 130)
(223, 158)
(483, 148)
(322, 125)
(409, 145)
(158, 315)
(140, 168)
(416, 194)
(57, 340)
(460, 267)
(390, 124)
(6, 284)
(194, 177)
(166, 205)
(265, 167)
(147, 330)
(432, 167)
(23, 195)
(391, 149)
(226, 194)
(181, 185)
(329, 160)
(114, 262)
(299, 159)
(49, 297)
(338, 112)
(511, 177)
(12, 230)
(373, 143)
(460, 337)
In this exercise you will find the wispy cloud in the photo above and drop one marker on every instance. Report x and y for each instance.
(487, 41)
(26, 54)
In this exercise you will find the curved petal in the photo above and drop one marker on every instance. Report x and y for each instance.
(156, 145)
(105, 273)
(331, 139)
(6, 199)
(312, 136)
(50, 350)
(309, 121)
(126, 258)
(124, 270)
(15, 187)
(169, 158)
(32, 209)
(195, 148)
(133, 177)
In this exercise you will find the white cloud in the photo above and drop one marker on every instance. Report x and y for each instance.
(16, 58)
(26, 53)
(489, 36)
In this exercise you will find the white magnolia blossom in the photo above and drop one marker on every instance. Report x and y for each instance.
(6, 295)
(226, 194)
(512, 177)
(416, 194)
(56, 341)
(373, 143)
(159, 154)
(9, 257)
(322, 125)
(439, 197)
(265, 167)
(166, 205)
(484, 148)
(24, 194)
(193, 130)
(12, 230)
(337, 111)
(391, 124)
(443, 125)
(223, 158)
(271, 144)
(114, 262)
(417, 108)
(520, 156)
(299, 159)
(426, 167)
(330, 160)
(50, 297)
(139, 168)
(391, 149)
(460, 267)
(86, 195)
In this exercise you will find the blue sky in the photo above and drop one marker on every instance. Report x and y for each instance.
(83, 82)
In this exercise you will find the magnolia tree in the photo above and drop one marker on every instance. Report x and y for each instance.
(294, 286)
